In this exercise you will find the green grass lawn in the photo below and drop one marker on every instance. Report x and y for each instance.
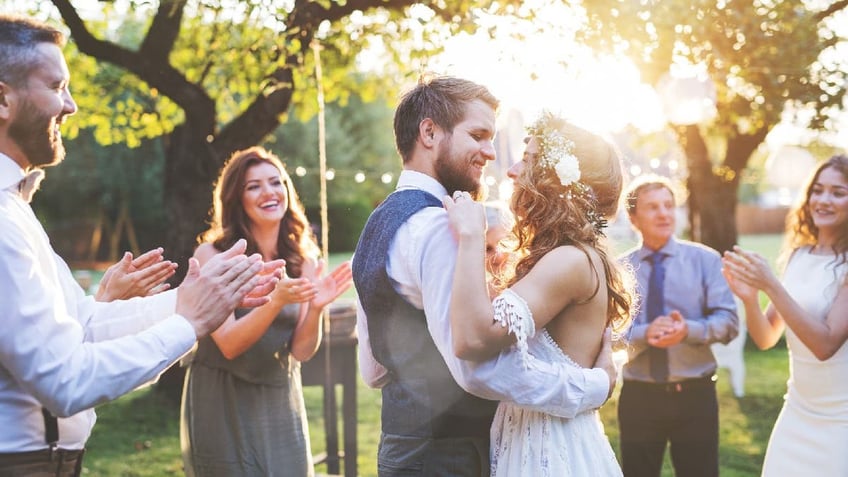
(138, 435)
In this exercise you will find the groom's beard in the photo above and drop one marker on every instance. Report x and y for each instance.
(37, 136)
(454, 173)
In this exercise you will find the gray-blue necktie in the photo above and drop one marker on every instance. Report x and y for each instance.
(656, 299)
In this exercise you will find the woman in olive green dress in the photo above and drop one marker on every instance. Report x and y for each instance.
(242, 411)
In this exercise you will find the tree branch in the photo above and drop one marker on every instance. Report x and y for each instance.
(155, 71)
(741, 146)
(164, 30)
(307, 15)
(261, 117)
(833, 8)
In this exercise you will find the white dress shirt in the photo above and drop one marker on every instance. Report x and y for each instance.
(59, 348)
(421, 266)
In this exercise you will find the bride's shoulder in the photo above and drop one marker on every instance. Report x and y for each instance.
(568, 262)
(571, 255)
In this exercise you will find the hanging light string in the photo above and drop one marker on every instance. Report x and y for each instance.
(359, 176)
(322, 149)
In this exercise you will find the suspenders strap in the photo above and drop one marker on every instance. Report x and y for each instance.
(51, 428)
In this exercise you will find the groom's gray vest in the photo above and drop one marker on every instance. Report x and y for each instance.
(421, 398)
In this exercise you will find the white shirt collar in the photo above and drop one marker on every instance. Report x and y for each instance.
(10, 173)
(416, 180)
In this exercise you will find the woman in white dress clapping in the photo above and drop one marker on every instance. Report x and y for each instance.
(810, 304)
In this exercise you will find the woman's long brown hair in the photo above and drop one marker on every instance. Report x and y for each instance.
(229, 221)
(801, 230)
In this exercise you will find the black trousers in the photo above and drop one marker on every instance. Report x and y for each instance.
(684, 414)
(44, 463)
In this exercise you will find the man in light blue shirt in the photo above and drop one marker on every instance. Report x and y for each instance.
(669, 380)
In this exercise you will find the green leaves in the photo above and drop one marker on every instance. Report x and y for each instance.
(231, 52)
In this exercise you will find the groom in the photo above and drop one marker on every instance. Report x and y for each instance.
(436, 408)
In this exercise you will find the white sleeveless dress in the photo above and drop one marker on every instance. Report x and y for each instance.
(810, 436)
(532, 443)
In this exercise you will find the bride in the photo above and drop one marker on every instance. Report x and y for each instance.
(563, 293)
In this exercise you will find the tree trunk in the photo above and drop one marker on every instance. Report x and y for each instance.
(712, 194)
(714, 190)
(712, 210)
(191, 168)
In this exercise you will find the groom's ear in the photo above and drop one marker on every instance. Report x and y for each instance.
(428, 132)
(6, 100)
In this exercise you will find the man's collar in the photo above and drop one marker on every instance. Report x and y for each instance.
(670, 248)
(10, 173)
(417, 180)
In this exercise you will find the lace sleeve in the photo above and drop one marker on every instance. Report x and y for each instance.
(512, 312)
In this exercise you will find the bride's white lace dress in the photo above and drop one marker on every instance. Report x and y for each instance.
(526, 442)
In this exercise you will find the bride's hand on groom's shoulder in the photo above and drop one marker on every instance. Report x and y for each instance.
(467, 218)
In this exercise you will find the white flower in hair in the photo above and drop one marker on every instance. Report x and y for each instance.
(557, 151)
(567, 169)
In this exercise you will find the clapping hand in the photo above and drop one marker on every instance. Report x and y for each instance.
(142, 276)
(209, 294)
(332, 285)
(746, 273)
(667, 330)
(294, 290)
(269, 278)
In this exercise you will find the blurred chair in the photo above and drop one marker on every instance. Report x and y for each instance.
(86, 280)
(732, 355)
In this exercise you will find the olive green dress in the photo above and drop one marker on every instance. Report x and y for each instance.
(246, 417)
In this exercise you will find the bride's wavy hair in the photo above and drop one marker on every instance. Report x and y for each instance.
(550, 215)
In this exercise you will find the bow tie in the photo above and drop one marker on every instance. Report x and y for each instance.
(29, 184)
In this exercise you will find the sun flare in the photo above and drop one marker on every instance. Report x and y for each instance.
(546, 72)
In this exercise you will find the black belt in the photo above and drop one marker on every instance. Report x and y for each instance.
(675, 387)
(55, 461)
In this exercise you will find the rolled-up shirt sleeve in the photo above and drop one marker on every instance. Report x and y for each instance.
(107, 320)
(718, 321)
(374, 374)
(48, 347)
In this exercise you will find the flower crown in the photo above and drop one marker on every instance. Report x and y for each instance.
(557, 152)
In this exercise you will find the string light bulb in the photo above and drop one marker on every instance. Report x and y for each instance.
(672, 165)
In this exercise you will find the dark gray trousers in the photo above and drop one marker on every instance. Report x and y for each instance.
(403, 456)
(46, 463)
